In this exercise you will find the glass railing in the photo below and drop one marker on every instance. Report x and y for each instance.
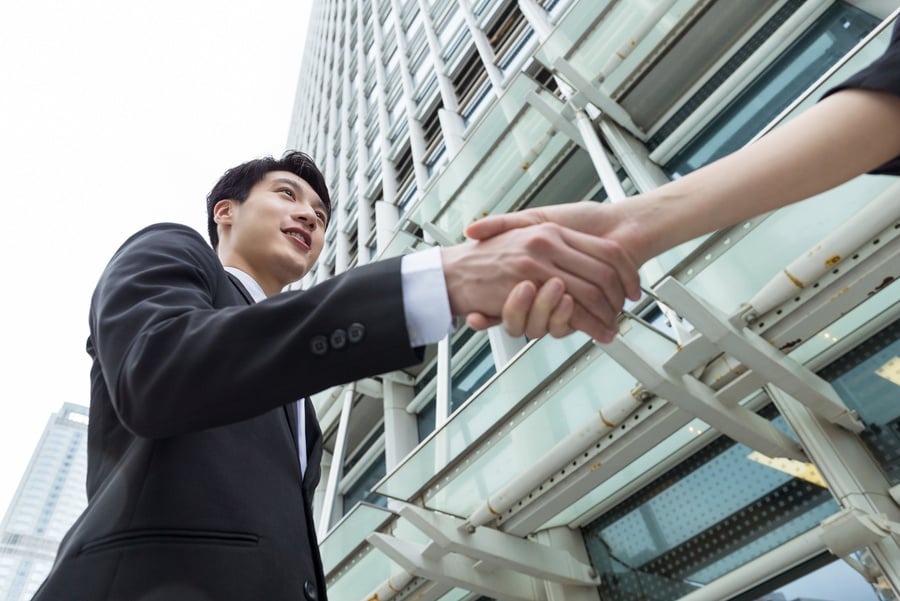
(486, 408)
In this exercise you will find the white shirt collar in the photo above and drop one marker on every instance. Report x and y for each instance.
(249, 283)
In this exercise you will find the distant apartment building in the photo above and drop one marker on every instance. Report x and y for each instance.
(50, 496)
(734, 440)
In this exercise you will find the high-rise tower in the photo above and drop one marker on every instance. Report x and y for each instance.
(49, 498)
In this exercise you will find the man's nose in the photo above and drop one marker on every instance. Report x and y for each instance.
(305, 213)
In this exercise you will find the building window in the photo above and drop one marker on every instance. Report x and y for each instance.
(839, 29)
(470, 377)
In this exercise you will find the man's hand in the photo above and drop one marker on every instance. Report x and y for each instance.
(530, 311)
(568, 279)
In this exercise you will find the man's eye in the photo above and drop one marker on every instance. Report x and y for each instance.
(288, 192)
(320, 215)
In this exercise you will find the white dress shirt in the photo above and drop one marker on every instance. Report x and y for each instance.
(426, 308)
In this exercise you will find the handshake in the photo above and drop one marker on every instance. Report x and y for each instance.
(551, 270)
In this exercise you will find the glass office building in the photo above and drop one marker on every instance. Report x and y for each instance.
(740, 440)
(50, 496)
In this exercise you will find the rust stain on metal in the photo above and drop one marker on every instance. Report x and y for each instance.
(882, 285)
(605, 421)
(789, 345)
(833, 261)
(794, 280)
(525, 166)
(596, 466)
(839, 293)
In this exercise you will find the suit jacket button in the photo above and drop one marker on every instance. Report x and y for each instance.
(318, 345)
(338, 339)
(309, 591)
(355, 332)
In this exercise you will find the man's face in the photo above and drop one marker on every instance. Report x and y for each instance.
(275, 235)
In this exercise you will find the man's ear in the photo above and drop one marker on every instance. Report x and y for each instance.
(223, 211)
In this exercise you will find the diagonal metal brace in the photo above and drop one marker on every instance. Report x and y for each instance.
(607, 105)
(700, 400)
(457, 571)
(766, 361)
(498, 549)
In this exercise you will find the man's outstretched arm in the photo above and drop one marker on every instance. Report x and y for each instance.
(846, 134)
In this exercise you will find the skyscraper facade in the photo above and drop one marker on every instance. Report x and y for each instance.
(740, 440)
(50, 496)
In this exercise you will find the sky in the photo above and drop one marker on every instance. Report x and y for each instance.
(113, 116)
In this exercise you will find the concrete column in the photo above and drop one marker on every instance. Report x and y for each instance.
(482, 46)
(416, 133)
(387, 216)
(452, 126)
(388, 172)
(401, 434)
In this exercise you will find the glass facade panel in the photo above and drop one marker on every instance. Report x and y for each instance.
(481, 412)
(868, 380)
(463, 384)
(361, 490)
(350, 532)
(711, 514)
(547, 419)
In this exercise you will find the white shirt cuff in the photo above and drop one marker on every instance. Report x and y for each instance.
(426, 305)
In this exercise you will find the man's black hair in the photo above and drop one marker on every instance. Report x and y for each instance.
(237, 182)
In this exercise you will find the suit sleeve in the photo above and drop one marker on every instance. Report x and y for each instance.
(174, 360)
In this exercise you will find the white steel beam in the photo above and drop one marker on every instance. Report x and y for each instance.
(700, 400)
(852, 474)
(457, 571)
(760, 356)
(500, 550)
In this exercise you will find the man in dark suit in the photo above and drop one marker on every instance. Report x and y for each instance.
(201, 460)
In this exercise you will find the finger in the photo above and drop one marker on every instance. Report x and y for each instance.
(497, 224)
(583, 321)
(612, 254)
(589, 265)
(559, 320)
(515, 309)
(549, 295)
(479, 321)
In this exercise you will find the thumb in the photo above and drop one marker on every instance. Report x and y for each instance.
(497, 224)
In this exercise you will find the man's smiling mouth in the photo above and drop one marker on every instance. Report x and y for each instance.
(300, 235)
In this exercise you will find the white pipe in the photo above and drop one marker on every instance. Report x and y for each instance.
(337, 464)
(606, 419)
(390, 587)
(598, 155)
(482, 46)
(831, 250)
(537, 17)
(387, 216)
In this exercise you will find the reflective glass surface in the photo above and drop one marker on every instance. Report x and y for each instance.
(713, 513)
(868, 380)
(373, 567)
(518, 379)
(463, 383)
(350, 532)
(535, 430)
(360, 491)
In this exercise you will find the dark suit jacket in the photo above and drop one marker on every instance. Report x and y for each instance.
(194, 488)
